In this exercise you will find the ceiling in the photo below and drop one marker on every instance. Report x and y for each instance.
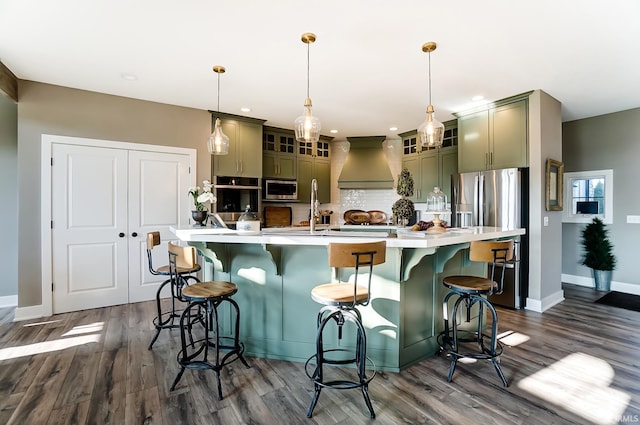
(367, 69)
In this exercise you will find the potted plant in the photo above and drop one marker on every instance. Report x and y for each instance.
(201, 213)
(598, 253)
(403, 208)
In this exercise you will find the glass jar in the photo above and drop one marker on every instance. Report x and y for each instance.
(436, 200)
(248, 223)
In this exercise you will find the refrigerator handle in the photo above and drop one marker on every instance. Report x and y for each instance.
(479, 199)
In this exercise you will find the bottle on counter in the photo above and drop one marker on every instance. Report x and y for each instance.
(248, 223)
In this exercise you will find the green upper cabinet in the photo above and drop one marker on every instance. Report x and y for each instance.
(314, 162)
(495, 137)
(279, 159)
(431, 167)
(245, 140)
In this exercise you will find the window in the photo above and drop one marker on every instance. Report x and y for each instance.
(588, 194)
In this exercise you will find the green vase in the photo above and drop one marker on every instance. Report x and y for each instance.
(602, 279)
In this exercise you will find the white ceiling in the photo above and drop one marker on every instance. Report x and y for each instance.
(367, 68)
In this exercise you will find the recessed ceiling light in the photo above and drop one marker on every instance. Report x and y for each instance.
(245, 109)
(333, 131)
(128, 77)
(477, 98)
(393, 128)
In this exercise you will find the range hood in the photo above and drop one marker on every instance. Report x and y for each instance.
(366, 166)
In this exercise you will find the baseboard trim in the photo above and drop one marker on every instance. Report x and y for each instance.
(546, 303)
(28, 313)
(627, 288)
(8, 301)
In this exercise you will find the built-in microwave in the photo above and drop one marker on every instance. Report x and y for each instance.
(280, 190)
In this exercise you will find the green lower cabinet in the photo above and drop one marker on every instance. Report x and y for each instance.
(278, 315)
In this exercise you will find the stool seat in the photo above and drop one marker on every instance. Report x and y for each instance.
(164, 270)
(205, 290)
(339, 293)
(470, 284)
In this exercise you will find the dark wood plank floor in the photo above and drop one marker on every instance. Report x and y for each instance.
(579, 362)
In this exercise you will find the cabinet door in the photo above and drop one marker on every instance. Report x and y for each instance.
(508, 131)
(322, 173)
(250, 146)
(286, 166)
(428, 173)
(473, 141)
(228, 165)
(269, 164)
(305, 174)
(412, 164)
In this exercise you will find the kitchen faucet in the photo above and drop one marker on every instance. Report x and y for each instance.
(314, 206)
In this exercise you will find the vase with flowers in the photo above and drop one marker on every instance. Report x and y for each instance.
(200, 198)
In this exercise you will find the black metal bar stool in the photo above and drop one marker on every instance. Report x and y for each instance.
(472, 290)
(340, 300)
(185, 267)
(209, 349)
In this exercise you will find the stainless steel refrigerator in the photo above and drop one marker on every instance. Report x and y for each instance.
(497, 198)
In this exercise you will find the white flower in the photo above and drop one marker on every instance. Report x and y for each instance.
(206, 197)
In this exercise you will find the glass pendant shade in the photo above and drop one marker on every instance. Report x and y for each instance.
(307, 126)
(218, 141)
(431, 131)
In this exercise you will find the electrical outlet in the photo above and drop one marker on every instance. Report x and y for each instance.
(545, 221)
(635, 219)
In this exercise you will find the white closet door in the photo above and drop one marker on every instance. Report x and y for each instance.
(89, 235)
(158, 186)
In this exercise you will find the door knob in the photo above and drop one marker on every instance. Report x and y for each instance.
(134, 234)
(121, 234)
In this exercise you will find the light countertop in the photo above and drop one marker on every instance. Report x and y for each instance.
(323, 236)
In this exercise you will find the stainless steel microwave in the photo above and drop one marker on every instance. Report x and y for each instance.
(280, 190)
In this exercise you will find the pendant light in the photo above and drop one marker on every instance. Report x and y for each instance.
(431, 131)
(306, 125)
(218, 141)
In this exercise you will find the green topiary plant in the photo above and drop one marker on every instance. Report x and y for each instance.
(597, 249)
(403, 208)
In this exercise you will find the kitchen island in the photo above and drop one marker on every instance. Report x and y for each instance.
(276, 270)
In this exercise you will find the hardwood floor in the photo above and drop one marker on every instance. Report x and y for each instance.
(577, 363)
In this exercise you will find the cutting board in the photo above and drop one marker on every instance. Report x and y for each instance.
(277, 216)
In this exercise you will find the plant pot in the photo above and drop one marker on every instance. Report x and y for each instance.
(200, 217)
(602, 279)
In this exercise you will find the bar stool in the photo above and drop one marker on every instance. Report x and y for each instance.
(472, 290)
(340, 300)
(209, 350)
(186, 266)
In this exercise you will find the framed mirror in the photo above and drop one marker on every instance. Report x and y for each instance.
(554, 183)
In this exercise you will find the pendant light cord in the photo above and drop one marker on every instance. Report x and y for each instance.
(218, 93)
(308, 69)
(429, 78)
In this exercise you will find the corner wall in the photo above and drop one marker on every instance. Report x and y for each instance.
(545, 254)
(48, 109)
(9, 197)
(610, 141)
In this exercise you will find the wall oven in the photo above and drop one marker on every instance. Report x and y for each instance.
(280, 190)
(234, 194)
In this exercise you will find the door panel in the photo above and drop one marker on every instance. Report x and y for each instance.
(89, 211)
(158, 186)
